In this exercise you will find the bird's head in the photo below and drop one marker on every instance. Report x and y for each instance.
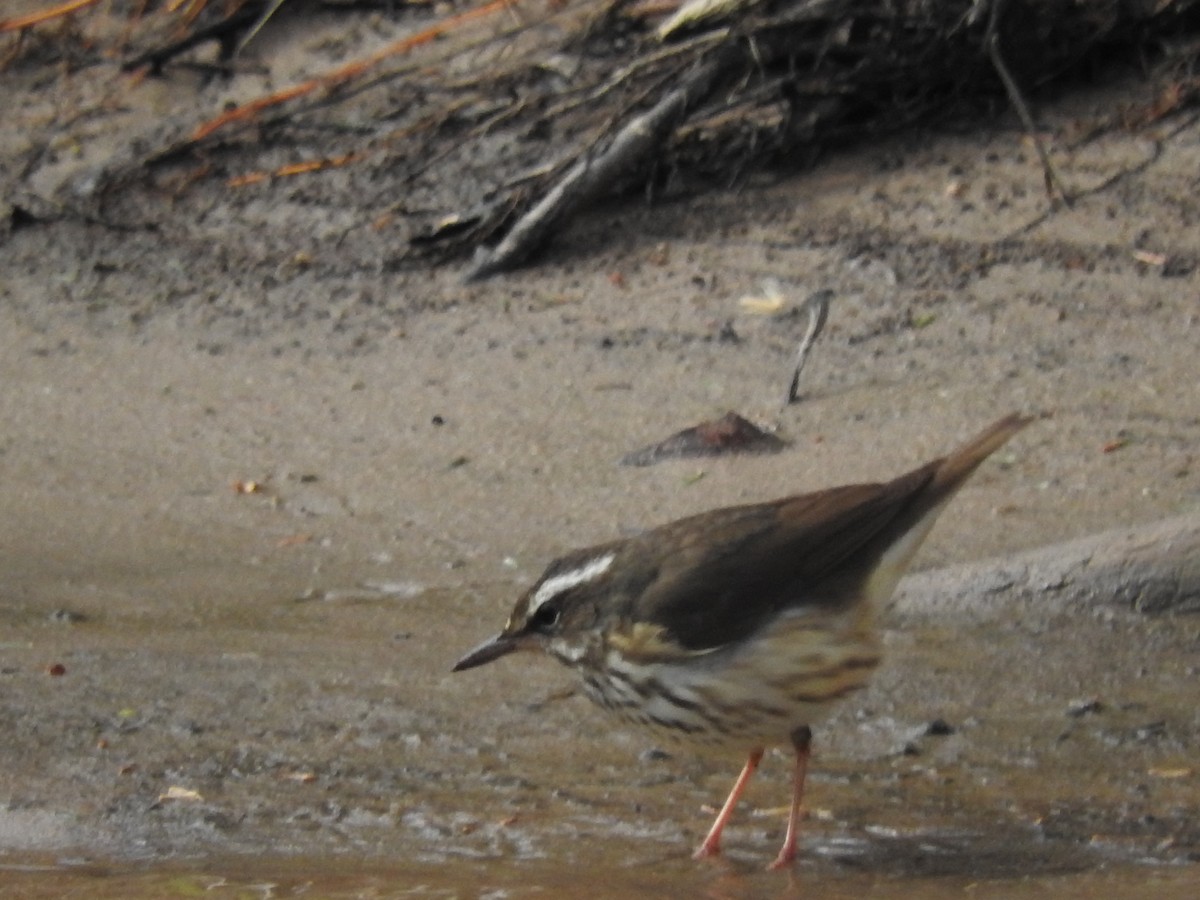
(558, 614)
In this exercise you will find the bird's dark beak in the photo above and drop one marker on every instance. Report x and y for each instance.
(500, 645)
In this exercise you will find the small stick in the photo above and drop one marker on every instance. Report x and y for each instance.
(252, 32)
(991, 40)
(592, 174)
(20, 23)
(249, 111)
(817, 307)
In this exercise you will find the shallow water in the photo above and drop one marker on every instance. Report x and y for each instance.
(226, 879)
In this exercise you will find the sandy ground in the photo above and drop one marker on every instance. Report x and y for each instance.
(266, 673)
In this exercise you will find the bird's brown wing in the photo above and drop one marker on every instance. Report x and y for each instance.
(804, 550)
(820, 550)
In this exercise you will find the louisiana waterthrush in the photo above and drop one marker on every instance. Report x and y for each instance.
(740, 627)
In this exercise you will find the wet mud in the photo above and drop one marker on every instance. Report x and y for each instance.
(260, 491)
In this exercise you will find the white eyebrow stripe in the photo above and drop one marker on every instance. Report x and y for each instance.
(564, 581)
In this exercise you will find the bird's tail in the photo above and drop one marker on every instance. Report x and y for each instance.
(900, 540)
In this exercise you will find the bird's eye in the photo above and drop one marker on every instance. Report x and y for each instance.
(544, 617)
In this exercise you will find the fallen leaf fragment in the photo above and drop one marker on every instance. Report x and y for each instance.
(1150, 259)
(768, 303)
(175, 792)
(1169, 772)
(729, 434)
(293, 539)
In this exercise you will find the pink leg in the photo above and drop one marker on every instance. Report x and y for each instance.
(712, 843)
(802, 742)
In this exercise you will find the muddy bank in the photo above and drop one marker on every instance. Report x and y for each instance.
(190, 671)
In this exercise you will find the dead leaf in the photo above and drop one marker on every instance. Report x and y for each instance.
(1150, 259)
(1169, 772)
(175, 792)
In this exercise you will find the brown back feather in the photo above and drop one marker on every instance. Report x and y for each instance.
(822, 550)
